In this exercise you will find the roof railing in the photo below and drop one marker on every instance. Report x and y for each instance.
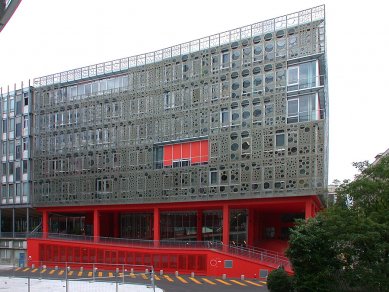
(120, 65)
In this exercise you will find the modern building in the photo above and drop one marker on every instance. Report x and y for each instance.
(7, 9)
(379, 156)
(220, 139)
(17, 218)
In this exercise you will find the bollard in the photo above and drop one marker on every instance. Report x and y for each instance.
(81, 269)
(33, 266)
(56, 268)
(132, 270)
(192, 274)
(161, 272)
(224, 276)
(176, 273)
(242, 277)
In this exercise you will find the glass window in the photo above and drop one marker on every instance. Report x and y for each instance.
(11, 124)
(88, 89)
(225, 60)
(25, 144)
(5, 105)
(158, 157)
(25, 166)
(73, 91)
(4, 128)
(11, 168)
(125, 81)
(11, 105)
(293, 73)
(25, 122)
(11, 148)
(303, 108)
(81, 89)
(302, 76)
(307, 75)
(168, 100)
(280, 140)
(111, 83)
(26, 99)
(4, 148)
(95, 87)
(103, 85)
(225, 117)
(213, 177)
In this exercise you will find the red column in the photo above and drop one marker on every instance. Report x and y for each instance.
(45, 223)
(96, 225)
(308, 209)
(157, 217)
(226, 225)
(250, 228)
(199, 225)
(116, 224)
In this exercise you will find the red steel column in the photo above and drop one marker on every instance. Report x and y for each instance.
(96, 225)
(308, 209)
(199, 225)
(45, 223)
(250, 227)
(226, 225)
(116, 224)
(157, 218)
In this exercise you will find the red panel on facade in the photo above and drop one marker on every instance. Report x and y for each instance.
(196, 152)
(177, 152)
(167, 155)
(204, 151)
(186, 151)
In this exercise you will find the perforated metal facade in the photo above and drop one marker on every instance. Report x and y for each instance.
(242, 114)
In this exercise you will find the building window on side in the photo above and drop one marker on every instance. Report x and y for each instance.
(45, 190)
(303, 76)
(303, 108)
(215, 91)
(104, 185)
(168, 100)
(213, 176)
(280, 140)
(225, 60)
(181, 163)
(224, 117)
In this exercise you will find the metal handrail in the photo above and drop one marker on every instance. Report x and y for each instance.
(251, 253)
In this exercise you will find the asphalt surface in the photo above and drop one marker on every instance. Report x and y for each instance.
(168, 282)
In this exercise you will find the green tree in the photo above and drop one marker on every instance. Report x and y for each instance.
(346, 247)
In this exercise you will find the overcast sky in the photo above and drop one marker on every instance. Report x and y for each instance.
(50, 36)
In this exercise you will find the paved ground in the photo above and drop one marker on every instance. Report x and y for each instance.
(167, 282)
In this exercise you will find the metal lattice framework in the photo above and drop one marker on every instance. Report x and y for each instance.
(231, 89)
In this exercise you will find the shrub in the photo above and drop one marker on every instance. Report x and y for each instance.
(279, 281)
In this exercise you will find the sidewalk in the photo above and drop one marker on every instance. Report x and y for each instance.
(5, 267)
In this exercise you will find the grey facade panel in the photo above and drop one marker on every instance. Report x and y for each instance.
(256, 104)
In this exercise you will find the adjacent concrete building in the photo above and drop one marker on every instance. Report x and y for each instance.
(17, 218)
